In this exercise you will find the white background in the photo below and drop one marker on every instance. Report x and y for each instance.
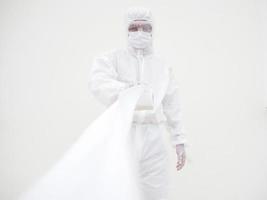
(217, 51)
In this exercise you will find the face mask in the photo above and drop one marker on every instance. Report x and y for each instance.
(139, 39)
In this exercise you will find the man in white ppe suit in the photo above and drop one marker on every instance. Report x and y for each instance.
(138, 64)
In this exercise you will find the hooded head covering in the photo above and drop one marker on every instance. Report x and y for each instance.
(138, 13)
(139, 40)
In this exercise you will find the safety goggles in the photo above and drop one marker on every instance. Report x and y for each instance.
(144, 26)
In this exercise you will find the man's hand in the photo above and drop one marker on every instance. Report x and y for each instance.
(181, 156)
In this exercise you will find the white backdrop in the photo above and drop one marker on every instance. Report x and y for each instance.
(215, 47)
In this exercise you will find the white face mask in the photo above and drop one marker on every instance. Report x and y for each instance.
(139, 39)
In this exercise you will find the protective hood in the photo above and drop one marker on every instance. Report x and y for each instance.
(138, 13)
(139, 39)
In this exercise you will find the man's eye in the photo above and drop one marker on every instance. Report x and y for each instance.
(133, 29)
(147, 28)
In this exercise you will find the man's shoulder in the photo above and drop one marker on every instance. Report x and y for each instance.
(109, 56)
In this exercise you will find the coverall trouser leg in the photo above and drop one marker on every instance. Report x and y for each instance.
(151, 154)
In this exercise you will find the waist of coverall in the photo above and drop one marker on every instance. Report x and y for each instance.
(148, 117)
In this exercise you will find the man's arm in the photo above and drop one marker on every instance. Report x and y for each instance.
(172, 110)
(103, 82)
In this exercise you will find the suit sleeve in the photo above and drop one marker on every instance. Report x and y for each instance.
(172, 110)
(103, 80)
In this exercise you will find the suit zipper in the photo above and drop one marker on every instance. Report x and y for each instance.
(140, 59)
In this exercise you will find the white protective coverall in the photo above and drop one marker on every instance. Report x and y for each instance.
(119, 69)
(120, 155)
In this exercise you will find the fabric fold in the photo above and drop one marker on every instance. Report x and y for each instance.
(99, 164)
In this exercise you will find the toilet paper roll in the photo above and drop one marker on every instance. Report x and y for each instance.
(146, 100)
